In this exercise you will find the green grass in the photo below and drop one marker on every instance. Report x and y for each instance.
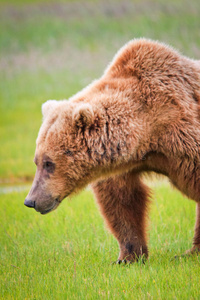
(68, 254)
(50, 50)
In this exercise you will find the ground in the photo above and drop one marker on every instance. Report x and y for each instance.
(68, 254)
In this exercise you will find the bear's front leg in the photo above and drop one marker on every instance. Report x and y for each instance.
(123, 203)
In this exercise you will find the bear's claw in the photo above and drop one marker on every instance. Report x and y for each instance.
(195, 250)
(119, 262)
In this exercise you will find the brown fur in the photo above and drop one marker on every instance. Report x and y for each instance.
(141, 115)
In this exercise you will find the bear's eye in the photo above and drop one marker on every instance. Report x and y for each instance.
(49, 166)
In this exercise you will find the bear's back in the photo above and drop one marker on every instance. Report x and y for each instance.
(158, 68)
(148, 58)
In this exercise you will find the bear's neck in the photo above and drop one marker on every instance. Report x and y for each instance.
(112, 142)
(120, 124)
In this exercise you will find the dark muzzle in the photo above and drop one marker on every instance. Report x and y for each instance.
(29, 203)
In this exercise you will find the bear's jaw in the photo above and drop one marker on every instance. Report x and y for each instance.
(53, 207)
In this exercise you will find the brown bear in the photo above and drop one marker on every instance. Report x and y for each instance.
(142, 115)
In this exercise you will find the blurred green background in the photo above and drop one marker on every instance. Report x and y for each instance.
(51, 49)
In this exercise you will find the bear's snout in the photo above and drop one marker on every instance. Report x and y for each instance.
(29, 203)
(44, 203)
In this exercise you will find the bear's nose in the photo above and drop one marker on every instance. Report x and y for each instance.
(29, 203)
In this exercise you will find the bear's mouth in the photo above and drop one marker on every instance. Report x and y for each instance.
(53, 207)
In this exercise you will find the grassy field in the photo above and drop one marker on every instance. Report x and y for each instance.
(50, 50)
(68, 254)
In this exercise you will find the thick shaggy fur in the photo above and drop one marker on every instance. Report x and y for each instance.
(142, 115)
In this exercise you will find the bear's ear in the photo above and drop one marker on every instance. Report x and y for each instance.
(83, 115)
(48, 106)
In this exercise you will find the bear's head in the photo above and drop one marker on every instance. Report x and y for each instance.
(62, 156)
